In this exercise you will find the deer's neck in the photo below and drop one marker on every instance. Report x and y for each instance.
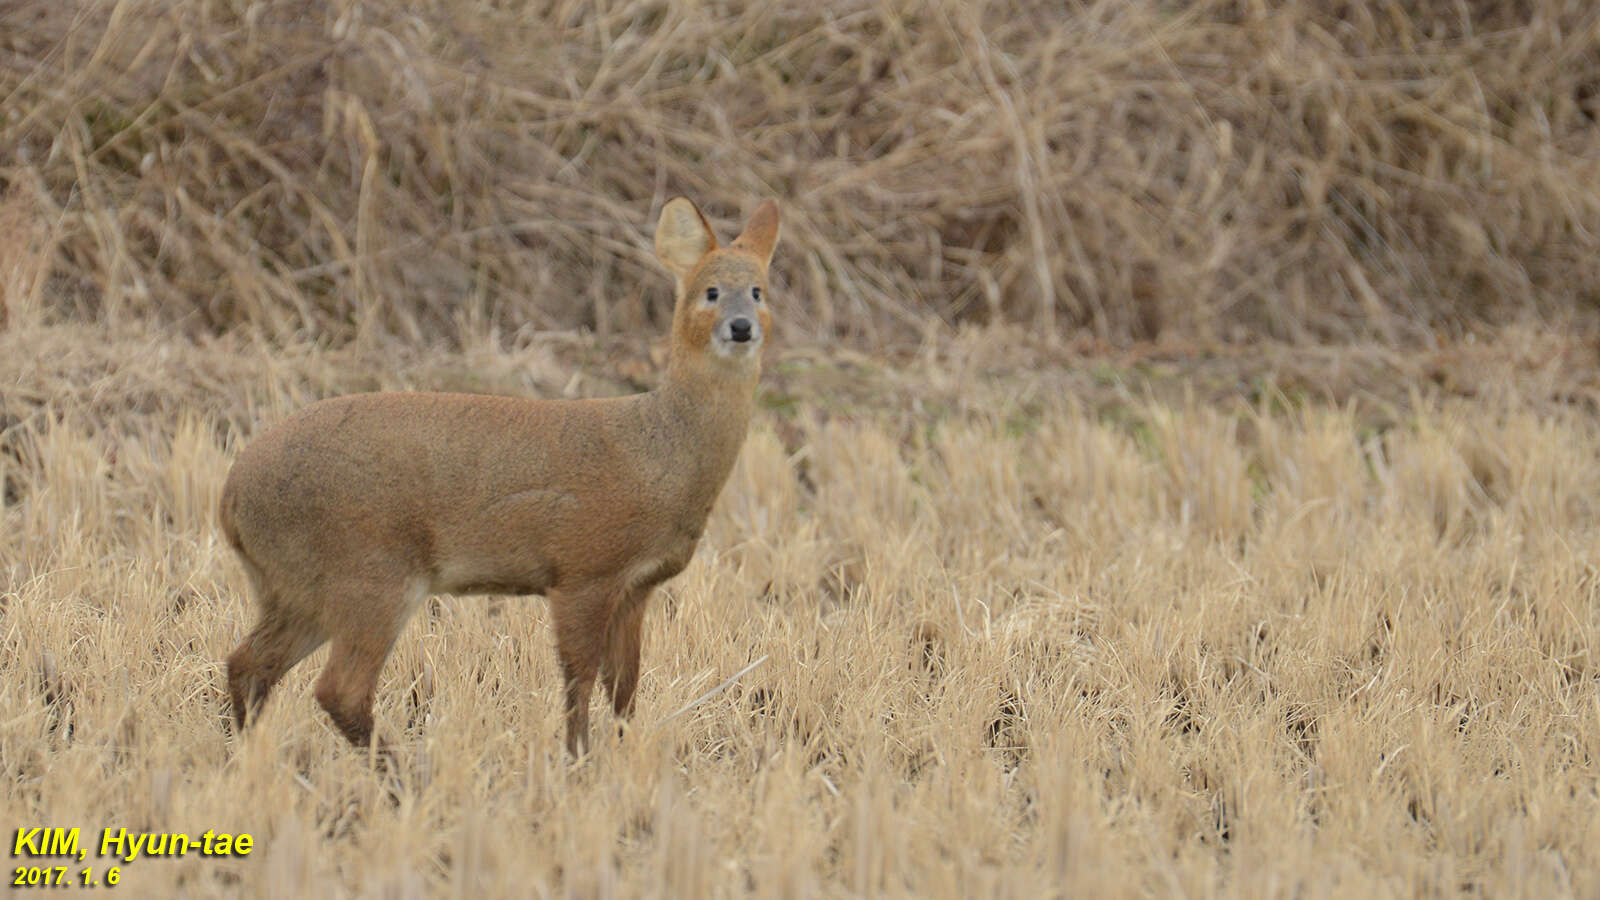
(704, 408)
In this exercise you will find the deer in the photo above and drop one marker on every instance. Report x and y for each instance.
(349, 514)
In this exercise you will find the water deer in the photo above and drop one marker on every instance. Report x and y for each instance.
(351, 512)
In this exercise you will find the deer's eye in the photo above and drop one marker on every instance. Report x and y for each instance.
(755, 294)
(711, 295)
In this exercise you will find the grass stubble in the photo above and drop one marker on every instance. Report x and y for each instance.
(1020, 642)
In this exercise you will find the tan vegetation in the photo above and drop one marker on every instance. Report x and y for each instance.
(1015, 630)
(1031, 610)
(1218, 168)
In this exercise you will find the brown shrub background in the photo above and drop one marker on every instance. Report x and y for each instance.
(1309, 170)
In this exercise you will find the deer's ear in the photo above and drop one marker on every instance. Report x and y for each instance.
(760, 235)
(683, 237)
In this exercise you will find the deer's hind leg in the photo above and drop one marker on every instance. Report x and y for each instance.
(361, 645)
(280, 639)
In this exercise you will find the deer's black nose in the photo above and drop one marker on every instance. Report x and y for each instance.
(740, 329)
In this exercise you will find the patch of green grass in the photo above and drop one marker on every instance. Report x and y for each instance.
(1274, 399)
(1105, 374)
(1128, 421)
(1023, 421)
(780, 402)
(1260, 484)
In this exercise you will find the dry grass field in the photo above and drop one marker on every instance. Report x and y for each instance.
(1175, 473)
(1017, 629)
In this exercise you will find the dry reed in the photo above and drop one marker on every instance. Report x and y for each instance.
(1309, 170)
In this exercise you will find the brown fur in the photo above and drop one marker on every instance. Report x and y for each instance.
(348, 514)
